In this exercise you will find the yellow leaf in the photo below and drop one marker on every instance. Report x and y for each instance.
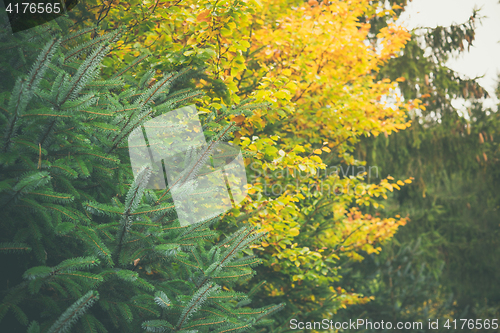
(318, 151)
(401, 183)
(294, 231)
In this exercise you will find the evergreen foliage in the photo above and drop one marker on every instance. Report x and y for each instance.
(87, 247)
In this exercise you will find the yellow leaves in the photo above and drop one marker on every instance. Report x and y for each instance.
(393, 38)
(313, 65)
(283, 94)
(299, 149)
(192, 40)
(225, 32)
(294, 232)
(401, 126)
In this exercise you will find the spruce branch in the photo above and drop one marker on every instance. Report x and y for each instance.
(74, 312)
(151, 93)
(84, 47)
(132, 200)
(195, 303)
(41, 63)
(34, 327)
(84, 73)
(268, 311)
(29, 182)
(24, 88)
(14, 247)
(146, 78)
(78, 34)
(157, 326)
(162, 300)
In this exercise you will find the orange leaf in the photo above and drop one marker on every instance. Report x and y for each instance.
(203, 16)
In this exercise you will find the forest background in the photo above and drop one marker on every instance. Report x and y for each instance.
(412, 238)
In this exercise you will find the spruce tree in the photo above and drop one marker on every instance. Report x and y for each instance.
(86, 246)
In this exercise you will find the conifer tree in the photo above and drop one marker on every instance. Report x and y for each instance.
(86, 246)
